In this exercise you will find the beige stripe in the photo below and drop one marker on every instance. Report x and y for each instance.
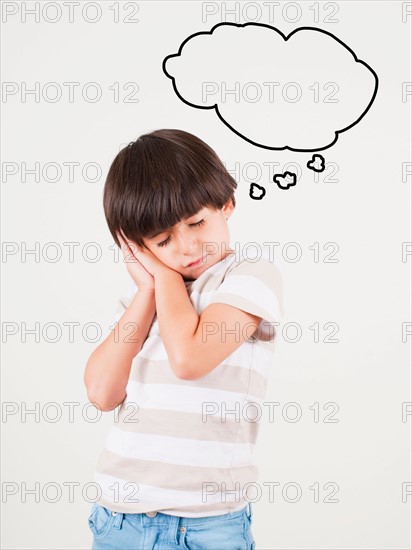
(173, 476)
(267, 272)
(226, 377)
(200, 510)
(189, 425)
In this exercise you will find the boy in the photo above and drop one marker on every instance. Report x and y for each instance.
(188, 360)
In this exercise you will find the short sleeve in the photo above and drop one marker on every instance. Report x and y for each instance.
(123, 303)
(255, 287)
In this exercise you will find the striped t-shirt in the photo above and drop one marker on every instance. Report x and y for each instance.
(185, 447)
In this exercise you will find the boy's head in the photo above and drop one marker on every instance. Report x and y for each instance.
(159, 189)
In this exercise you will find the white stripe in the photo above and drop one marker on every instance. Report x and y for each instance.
(122, 491)
(154, 350)
(127, 297)
(176, 450)
(190, 399)
(262, 360)
(255, 291)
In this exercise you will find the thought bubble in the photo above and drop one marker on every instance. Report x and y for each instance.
(285, 180)
(317, 163)
(256, 191)
(296, 92)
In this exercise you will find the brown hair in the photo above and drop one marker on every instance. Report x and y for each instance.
(161, 178)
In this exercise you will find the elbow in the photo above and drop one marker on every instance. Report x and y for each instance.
(182, 371)
(105, 398)
(185, 375)
(103, 403)
(186, 367)
(193, 370)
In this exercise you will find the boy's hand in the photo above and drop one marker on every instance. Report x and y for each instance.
(151, 263)
(141, 277)
(147, 259)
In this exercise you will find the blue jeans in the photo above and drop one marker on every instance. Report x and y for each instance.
(120, 531)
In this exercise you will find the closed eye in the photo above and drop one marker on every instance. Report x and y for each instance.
(166, 242)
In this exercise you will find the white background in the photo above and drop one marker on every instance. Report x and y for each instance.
(366, 211)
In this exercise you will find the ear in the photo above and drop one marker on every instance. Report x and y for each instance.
(228, 209)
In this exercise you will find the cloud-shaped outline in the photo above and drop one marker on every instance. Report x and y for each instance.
(312, 161)
(251, 195)
(290, 174)
(286, 38)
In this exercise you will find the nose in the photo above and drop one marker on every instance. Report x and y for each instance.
(187, 244)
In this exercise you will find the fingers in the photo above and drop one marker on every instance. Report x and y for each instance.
(127, 245)
(123, 239)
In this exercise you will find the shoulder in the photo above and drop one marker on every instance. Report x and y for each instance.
(259, 263)
(253, 283)
(252, 276)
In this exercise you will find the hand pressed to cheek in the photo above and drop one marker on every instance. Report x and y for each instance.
(135, 268)
(148, 259)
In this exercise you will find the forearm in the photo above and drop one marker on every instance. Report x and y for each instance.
(177, 318)
(108, 368)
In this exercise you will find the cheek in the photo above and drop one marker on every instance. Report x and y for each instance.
(158, 252)
(163, 254)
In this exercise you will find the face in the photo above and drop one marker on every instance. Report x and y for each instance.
(204, 235)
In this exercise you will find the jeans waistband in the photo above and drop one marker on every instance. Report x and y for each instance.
(161, 517)
(175, 521)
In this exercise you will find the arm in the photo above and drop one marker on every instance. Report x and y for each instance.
(108, 368)
(197, 344)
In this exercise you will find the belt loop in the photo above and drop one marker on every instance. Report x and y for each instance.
(118, 520)
(173, 529)
(249, 510)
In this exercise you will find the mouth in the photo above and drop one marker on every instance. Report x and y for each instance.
(196, 262)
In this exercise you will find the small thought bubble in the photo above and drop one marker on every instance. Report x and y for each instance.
(296, 92)
(317, 163)
(256, 192)
(285, 180)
